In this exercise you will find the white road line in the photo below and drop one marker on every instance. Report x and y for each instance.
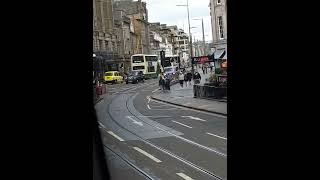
(195, 118)
(101, 125)
(155, 90)
(148, 106)
(147, 154)
(217, 136)
(155, 116)
(114, 135)
(184, 176)
(134, 121)
(181, 124)
(167, 109)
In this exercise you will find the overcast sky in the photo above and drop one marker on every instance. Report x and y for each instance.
(166, 12)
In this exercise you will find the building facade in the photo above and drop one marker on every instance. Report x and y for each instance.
(218, 13)
(138, 14)
(104, 38)
(124, 39)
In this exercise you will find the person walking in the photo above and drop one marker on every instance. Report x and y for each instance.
(181, 79)
(189, 77)
(206, 68)
(197, 78)
(185, 79)
(203, 69)
(161, 81)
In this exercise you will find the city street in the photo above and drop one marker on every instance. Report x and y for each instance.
(149, 139)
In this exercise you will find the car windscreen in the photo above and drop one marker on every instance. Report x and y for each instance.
(108, 74)
(168, 70)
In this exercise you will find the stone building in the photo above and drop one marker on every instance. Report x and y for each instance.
(104, 38)
(218, 13)
(138, 14)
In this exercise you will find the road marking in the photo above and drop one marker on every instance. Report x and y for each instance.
(217, 136)
(184, 176)
(114, 135)
(147, 154)
(182, 124)
(195, 118)
(184, 108)
(155, 90)
(101, 125)
(153, 116)
(134, 121)
(148, 106)
(168, 109)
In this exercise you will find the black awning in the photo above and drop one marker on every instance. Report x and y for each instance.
(220, 54)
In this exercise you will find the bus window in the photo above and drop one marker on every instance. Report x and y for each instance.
(138, 67)
(151, 58)
(151, 69)
(137, 59)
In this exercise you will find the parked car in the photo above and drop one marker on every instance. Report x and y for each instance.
(135, 77)
(113, 77)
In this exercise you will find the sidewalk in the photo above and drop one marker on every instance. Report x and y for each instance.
(184, 97)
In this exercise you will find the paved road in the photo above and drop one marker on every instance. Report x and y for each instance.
(158, 140)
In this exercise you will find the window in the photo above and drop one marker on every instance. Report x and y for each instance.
(151, 69)
(109, 74)
(107, 45)
(114, 47)
(218, 1)
(137, 59)
(101, 44)
(220, 26)
(138, 67)
(151, 58)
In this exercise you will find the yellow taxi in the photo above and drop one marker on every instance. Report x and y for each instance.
(113, 77)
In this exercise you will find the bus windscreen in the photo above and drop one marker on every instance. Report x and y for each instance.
(137, 59)
(151, 58)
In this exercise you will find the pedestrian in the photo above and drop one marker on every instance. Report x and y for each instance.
(206, 66)
(161, 81)
(189, 77)
(167, 82)
(211, 68)
(203, 69)
(181, 79)
(186, 79)
(197, 78)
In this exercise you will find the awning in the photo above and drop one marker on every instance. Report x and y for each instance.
(220, 54)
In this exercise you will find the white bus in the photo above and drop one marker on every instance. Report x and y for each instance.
(146, 63)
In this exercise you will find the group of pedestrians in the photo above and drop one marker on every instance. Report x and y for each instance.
(186, 77)
(164, 81)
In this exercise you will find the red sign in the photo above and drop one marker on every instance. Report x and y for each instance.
(203, 59)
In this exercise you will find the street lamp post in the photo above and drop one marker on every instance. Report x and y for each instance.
(203, 39)
(190, 44)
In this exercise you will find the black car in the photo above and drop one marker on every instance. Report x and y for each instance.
(135, 77)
